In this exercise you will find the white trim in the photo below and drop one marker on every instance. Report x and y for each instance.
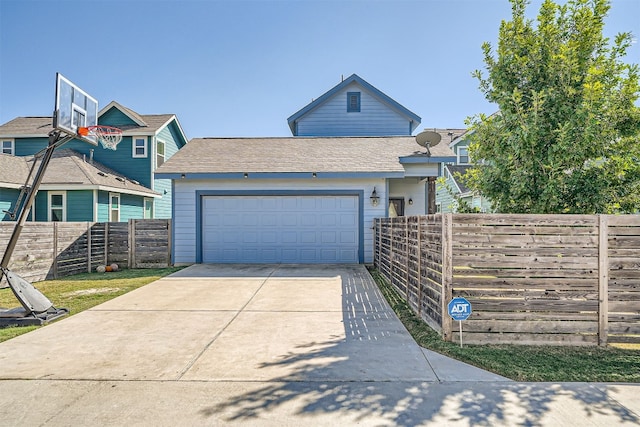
(69, 187)
(134, 139)
(64, 204)
(110, 209)
(13, 146)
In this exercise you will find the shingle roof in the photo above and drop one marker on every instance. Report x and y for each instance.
(456, 172)
(68, 167)
(27, 126)
(41, 126)
(295, 154)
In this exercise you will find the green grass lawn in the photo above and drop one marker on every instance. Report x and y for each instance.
(83, 291)
(519, 362)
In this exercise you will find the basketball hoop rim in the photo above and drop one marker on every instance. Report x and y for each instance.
(108, 136)
(88, 130)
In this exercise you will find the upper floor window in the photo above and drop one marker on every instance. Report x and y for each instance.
(57, 206)
(353, 102)
(8, 147)
(139, 146)
(160, 146)
(463, 155)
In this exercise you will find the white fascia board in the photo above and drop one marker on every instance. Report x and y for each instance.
(71, 187)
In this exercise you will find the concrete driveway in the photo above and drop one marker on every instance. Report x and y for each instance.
(268, 345)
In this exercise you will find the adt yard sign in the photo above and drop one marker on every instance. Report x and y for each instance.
(459, 309)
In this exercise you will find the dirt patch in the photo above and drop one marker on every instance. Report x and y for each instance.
(92, 291)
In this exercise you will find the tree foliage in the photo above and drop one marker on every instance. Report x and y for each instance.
(566, 137)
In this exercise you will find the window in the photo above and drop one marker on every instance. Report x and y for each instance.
(148, 208)
(57, 206)
(463, 155)
(159, 153)
(7, 146)
(114, 207)
(353, 102)
(139, 146)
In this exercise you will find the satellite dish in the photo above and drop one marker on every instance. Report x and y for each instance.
(428, 138)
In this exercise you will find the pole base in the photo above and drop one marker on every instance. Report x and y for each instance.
(20, 317)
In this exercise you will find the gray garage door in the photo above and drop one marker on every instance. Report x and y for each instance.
(280, 229)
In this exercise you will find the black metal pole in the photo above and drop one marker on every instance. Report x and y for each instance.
(54, 141)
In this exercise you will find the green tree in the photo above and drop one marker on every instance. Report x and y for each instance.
(566, 138)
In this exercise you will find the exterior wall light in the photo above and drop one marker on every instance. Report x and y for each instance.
(410, 201)
(246, 175)
(375, 200)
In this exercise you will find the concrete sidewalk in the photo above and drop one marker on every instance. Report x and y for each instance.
(269, 345)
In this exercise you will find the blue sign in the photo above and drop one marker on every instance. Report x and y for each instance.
(459, 308)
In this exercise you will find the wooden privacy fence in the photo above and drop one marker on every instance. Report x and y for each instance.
(531, 279)
(48, 250)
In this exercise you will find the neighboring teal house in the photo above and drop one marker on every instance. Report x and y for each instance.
(87, 183)
(453, 191)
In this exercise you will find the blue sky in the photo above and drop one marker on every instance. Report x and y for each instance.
(241, 68)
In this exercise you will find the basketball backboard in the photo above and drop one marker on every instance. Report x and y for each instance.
(74, 108)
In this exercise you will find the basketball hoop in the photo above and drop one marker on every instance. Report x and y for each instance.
(108, 136)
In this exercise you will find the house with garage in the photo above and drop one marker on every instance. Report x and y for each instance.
(309, 198)
(87, 183)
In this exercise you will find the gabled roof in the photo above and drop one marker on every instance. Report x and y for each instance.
(414, 118)
(135, 117)
(456, 172)
(38, 127)
(69, 169)
(27, 127)
(330, 155)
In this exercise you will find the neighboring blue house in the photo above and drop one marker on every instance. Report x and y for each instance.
(100, 185)
(452, 190)
(310, 198)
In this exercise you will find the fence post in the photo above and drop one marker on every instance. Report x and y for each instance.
(55, 250)
(419, 254)
(447, 274)
(132, 244)
(106, 243)
(169, 242)
(408, 254)
(89, 247)
(603, 279)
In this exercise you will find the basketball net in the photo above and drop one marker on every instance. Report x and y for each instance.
(108, 136)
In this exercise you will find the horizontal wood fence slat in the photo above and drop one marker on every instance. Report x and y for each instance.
(531, 279)
(57, 249)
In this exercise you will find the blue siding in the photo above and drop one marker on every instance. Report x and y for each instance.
(103, 206)
(172, 140)
(8, 198)
(374, 119)
(29, 146)
(80, 205)
(162, 206)
(40, 206)
(115, 117)
(131, 207)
